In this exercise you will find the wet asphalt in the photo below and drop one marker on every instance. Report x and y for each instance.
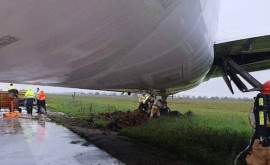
(37, 141)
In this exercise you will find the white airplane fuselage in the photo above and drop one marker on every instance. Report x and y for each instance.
(162, 45)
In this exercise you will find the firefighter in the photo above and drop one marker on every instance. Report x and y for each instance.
(143, 100)
(41, 103)
(30, 97)
(151, 101)
(260, 151)
(155, 108)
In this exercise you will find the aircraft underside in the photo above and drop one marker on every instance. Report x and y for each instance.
(164, 45)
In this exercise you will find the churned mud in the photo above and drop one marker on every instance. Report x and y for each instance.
(129, 151)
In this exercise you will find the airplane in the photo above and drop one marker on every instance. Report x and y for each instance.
(159, 46)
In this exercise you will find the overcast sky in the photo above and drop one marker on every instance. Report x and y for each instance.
(243, 19)
(238, 18)
(217, 87)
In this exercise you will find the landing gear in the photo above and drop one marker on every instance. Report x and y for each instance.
(232, 70)
(165, 109)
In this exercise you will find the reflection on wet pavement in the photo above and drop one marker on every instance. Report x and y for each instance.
(37, 141)
(10, 126)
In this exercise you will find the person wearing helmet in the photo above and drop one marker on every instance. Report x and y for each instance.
(30, 96)
(260, 151)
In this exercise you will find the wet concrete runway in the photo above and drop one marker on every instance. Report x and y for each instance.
(37, 141)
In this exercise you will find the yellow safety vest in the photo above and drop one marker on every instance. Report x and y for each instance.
(145, 99)
(11, 87)
(141, 98)
(29, 94)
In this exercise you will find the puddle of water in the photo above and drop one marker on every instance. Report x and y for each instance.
(36, 141)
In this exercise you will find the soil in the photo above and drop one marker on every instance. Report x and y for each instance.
(127, 150)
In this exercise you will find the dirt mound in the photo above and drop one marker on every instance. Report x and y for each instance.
(119, 120)
(116, 120)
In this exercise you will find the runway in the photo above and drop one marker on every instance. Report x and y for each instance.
(37, 141)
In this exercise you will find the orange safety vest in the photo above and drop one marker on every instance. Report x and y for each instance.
(41, 95)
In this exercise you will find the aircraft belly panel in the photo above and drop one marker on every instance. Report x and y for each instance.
(110, 44)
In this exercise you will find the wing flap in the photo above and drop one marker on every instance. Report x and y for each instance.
(253, 54)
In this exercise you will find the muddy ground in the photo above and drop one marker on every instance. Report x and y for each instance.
(107, 138)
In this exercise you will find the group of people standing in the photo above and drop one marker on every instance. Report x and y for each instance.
(30, 97)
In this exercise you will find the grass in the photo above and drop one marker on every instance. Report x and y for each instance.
(84, 105)
(217, 132)
(194, 138)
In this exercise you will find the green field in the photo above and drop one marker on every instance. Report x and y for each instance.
(217, 132)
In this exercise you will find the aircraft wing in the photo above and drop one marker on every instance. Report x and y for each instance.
(253, 54)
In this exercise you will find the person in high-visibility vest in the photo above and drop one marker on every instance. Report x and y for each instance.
(41, 100)
(260, 150)
(143, 100)
(12, 89)
(30, 96)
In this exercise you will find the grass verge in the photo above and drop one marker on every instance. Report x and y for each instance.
(191, 140)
